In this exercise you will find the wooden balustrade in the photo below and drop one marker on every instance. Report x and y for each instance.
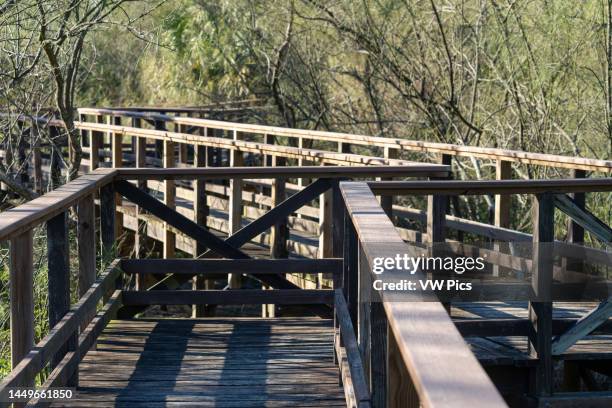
(424, 325)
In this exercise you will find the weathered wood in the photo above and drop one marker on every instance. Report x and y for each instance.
(288, 172)
(229, 297)
(61, 375)
(169, 241)
(26, 216)
(280, 230)
(107, 222)
(177, 220)
(22, 301)
(400, 389)
(481, 187)
(212, 266)
(541, 312)
(582, 327)
(38, 357)
(235, 206)
(517, 327)
(413, 145)
(201, 212)
(594, 399)
(420, 328)
(583, 217)
(347, 333)
(379, 376)
(503, 171)
(59, 280)
(86, 243)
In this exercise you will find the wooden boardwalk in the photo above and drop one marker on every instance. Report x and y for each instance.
(231, 362)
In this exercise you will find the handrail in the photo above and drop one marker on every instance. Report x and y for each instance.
(43, 208)
(549, 160)
(482, 187)
(442, 368)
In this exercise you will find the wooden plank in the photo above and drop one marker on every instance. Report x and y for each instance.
(583, 327)
(21, 301)
(59, 279)
(280, 230)
(19, 219)
(169, 192)
(40, 355)
(107, 222)
(583, 217)
(285, 172)
(503, 171)
(86, 243)
(61, 375)
(215, 266)
(347, 333)
(228, 297)
(400, 389)
(540, 313)
(594, 399)
(481, 187)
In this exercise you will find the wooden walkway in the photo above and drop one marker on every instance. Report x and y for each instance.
(231, 362)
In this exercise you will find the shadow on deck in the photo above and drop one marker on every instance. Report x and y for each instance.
(231, 362)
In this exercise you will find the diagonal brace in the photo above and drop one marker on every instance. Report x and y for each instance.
(582, 327)
(583, 217)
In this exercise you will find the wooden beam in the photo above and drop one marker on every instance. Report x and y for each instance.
(216, 266)
(38, 357)
(169, 192)
(86, 243)
(229, 297)
(482, 187)
(540, 312)
(347, 333)
(59, 279)
(22, 301)
(582, 327)
(583, 217)
(107, 222)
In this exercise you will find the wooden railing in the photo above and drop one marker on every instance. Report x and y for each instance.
(72, 330)
(423, 348)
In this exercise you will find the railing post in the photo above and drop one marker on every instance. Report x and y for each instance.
(59, 281)
(540, 312)
(350, 267)
(503, 171)
(169, 199)
(235, 205)
(117, 161)
(201, 211)
(94, 146)
(107, 222)
(86, 244)
(363, 314)
(22, 298)
(36, 157)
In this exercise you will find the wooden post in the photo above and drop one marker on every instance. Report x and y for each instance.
(436, 218)
(94, 146)
(575, 233)
(36, 158)
(201, 212)
(107, 222)
(386, 202)
(22, 298)
(86, 243)
(350, 267)
(540, 312)
(235, 206)
(325, 225)
(364, 311)
(169, 199)
(117, 161)
(280, 231)
(59, 281)
(502, 205)
(141, 238)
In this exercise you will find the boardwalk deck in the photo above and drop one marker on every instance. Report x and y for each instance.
(229, 362)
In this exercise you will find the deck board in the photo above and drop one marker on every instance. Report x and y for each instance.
(221, 362)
